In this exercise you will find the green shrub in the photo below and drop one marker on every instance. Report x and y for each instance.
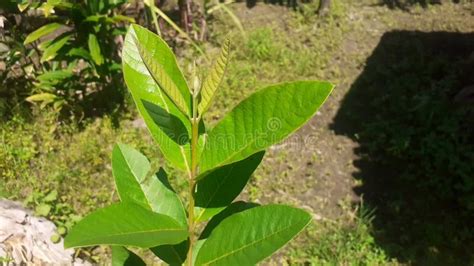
(71, 61)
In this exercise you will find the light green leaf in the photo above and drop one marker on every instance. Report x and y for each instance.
(122, 18)
(58, 104)
(126, 224)
(43, 209)
(168, 201)
(263, 119)
(217, 189)
(214, 78)
(165, 82)
(55, 76)
(94, 49)
(42, 46)
(130, 169)
(42, 31)
(48, 7)
(94, 18)
(265, 229)
(51, 51)
(80, 52)
(172, 254)
(51, 196)
(196, 249)
(124, 257)
(167, 124)
(23, 5)
(41, 97)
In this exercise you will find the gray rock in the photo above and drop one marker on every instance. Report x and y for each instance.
(26, 239)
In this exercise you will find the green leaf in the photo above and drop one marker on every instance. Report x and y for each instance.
(48, 7)
(51, 196)
(51, 51)
(80, 52)
(165, 82)
(214, 78)
(114, 3)
(58, 104)
(263, 119)
(41, 97)
(247, 237)
(169, 202)
(122, 18)
(22, 5)
(42, 46)
(126, 224)
(130, 169)
(44, 30)
(217, 189)
(172, 254)
(167, 124)
(94, 49)
(94, 18)
(43, 209)
(233, 208)
(54, 76)
(196, 249)
(124, 257)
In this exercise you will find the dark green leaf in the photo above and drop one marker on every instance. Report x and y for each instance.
(220, 187)
(233, 208)
(94, 49)
(247, 237)
(124, 257)
(263, 119)
(126, 224)
(80, 52)
(172, 254)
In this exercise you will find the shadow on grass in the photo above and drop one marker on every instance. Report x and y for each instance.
(412, 112)
(406, 4)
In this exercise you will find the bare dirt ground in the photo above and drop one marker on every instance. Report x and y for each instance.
(322, 184)
(317, 168)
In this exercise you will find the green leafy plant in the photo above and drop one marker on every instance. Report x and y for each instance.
(218, 163)
(77, 52)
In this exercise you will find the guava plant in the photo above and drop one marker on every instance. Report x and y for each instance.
(218, 162)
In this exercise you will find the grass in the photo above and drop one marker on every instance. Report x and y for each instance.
(346, 241)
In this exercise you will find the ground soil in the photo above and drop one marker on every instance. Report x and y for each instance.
(316, 168)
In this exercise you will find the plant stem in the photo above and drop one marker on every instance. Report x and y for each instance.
(153, 16)
(192, 179)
